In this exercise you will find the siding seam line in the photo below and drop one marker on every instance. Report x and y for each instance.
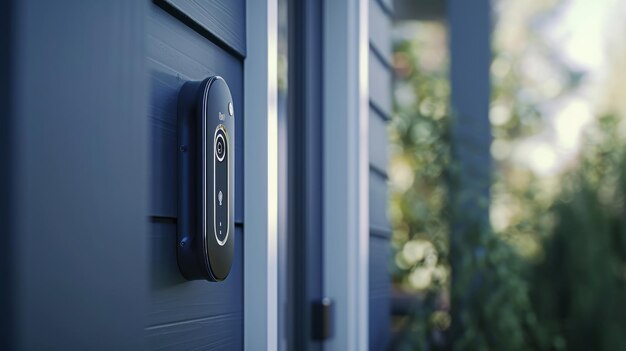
(386, 9)
(380, 172)
(380, 232)
(385, 116)
(386, 62)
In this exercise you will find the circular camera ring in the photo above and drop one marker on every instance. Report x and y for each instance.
(220, 147)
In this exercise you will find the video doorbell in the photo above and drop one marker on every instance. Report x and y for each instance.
(206, 179)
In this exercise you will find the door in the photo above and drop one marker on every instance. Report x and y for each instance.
(190, 41)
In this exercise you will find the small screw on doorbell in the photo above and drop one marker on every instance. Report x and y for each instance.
(183, 242)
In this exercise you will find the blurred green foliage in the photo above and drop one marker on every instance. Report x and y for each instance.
(418, 203)
(553, 276)
(579, 288)
(418, 211)
(495, 312)
(490, 297)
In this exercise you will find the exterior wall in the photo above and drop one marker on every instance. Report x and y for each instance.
(380, 85)
(79, 166)
(74, 271)
(190, 41)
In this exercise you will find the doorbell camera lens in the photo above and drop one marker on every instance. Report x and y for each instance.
(220, 147)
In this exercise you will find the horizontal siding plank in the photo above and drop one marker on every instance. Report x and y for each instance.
(225, 20)
(378, 142)
(380, 30)
(223, 332)
(172, 298)
(379, 323)
(384, 233)
(379, 293)
(73, 175)
(382, 114)
(177, 54)
(379, 279)
(380, 78)
(378, 199)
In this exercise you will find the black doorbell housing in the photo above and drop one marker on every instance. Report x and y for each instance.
(206, 179)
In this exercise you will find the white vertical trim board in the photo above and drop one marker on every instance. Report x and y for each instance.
(346, 240)
(260, 177)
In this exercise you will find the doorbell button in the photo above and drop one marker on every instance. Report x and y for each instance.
(220, 146)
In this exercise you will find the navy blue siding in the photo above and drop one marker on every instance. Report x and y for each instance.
(177, 54)
(380, 83)
(224, 21)
(378, 201)
(211, 333)
(175, 299)
(379, 290)
(183, 314)
(77, 175)
(378, 141)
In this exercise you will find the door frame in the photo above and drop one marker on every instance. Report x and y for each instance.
(328, 167)
(305, 172)
(346, 167)
(261, 176)
(344, 177)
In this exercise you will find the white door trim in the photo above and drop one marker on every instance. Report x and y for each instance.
(260, 177)
(346, 238)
